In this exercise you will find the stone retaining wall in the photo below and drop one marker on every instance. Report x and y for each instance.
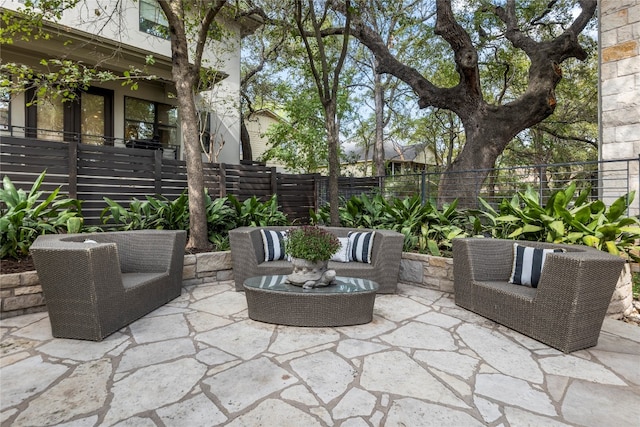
(21, 293)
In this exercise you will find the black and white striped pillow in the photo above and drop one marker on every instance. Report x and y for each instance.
(360, 245)
(273, 244)
(527, 264)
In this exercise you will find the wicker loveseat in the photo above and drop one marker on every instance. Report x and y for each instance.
(97, 283)
(567, 308)
(247, 252)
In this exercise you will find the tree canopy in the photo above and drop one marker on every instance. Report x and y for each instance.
(471, 81)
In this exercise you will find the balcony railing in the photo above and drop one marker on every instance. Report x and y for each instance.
(169, 151)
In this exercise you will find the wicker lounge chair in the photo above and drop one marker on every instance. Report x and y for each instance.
(94, 288)
(567, 308)
(247, 252)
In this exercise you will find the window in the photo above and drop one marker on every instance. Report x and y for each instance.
(149, 121)
(5, 105)
(50, 118)
(152, 19)
(88, 119)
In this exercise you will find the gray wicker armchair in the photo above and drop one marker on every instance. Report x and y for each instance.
(92, 289)
(567, 308)
(247, 252)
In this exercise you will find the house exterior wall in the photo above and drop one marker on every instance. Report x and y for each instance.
(93, 18)
(257, 125)
(619, 90)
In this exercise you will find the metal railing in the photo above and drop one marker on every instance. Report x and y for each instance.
(168, 151)
(608, 180)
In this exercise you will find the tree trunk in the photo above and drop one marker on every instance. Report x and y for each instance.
(378, 96)
(488, 128)
(185, 76)
(245, 140)
(333, 138)
(487, 134)
(198, 235)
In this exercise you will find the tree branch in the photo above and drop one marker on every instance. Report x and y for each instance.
(465, 54)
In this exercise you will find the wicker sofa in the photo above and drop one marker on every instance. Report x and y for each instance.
(247, 252)
(97, 283)
(567, 308)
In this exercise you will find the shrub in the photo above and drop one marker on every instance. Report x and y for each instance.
(153, 213)
(566, 218)
(25, 216)
(253, 213)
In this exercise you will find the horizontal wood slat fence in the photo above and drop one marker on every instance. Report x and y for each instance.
(91, 172)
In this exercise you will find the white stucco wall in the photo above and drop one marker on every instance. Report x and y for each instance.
(121, 25)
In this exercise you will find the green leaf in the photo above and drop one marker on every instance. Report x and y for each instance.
(612, 248)
(591, 241)
(433, 247)
(557, 227)
(507, 218)
(617, 208)
(517, 232)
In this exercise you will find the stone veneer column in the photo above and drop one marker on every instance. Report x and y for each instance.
(619, 94)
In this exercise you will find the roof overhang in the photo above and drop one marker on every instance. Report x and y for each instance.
(92, 50)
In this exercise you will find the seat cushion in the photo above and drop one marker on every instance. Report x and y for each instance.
(508, 288)
(131, 280)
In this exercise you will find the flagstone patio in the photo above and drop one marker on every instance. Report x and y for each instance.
(199, 361)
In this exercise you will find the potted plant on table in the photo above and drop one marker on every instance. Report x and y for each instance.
(311, 248)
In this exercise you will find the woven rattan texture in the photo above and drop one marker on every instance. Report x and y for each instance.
(567, 308)
(248, 257)
(310, 309)
(84, 283)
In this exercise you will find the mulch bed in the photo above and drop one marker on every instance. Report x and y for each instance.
(12, 265)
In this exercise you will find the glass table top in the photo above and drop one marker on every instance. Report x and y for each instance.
(343, 285)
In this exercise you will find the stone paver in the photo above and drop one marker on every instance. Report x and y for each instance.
(199, 361)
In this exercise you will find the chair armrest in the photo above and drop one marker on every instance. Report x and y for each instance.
(247, 252)
(387, 249)
(75, 271)
(577, 278)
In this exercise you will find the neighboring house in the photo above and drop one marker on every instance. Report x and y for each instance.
(110, 114)
(257, 123)
(399, 159)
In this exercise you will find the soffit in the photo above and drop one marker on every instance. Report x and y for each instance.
(91, 50)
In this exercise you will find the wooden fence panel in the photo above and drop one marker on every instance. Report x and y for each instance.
(297, 196)
(23, 160)
(246, 181)
(90, 173)
(119, 174)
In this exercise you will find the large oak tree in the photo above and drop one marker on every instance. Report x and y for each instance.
(489, 126)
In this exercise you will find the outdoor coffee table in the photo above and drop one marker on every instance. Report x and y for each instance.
(348, 302)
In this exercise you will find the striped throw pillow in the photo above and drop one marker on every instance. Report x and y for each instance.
(527, 264)
(361, 243)
(273, 244)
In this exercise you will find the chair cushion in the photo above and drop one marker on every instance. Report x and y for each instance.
(528, 263)
(361, 243)
(132, 280)
(273, 242)
(343, 253)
